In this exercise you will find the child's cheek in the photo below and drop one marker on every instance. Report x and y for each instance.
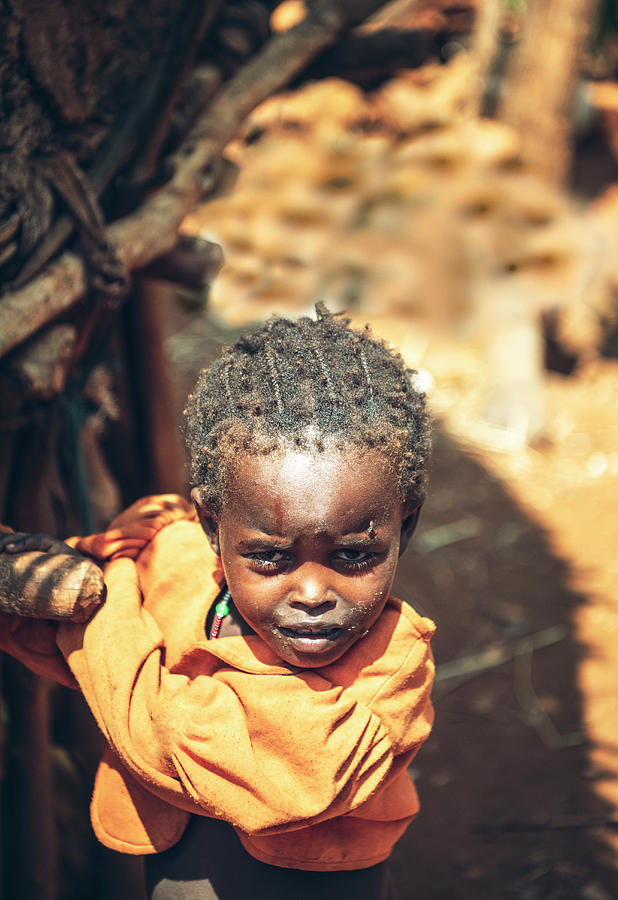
(365, 613)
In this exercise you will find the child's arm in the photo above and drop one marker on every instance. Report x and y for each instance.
(287, 751)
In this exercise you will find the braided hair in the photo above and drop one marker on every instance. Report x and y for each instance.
(306, 384)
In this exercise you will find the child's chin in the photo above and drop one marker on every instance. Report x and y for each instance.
(310, 653)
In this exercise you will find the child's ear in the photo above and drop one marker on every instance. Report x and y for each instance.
(411, 515)
(207, 517)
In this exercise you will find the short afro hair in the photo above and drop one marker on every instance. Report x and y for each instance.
(306, 383)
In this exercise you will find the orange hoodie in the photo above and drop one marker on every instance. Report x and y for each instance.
(309, 766)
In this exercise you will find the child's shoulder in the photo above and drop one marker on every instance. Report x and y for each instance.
(162, 508)
(422, 626)
(179, 575)
(178, 556)
(398, 643)
(400, 638)
(173, 553)
(135, 528)
(391, 672)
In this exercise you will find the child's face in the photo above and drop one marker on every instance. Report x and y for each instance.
(309, 544)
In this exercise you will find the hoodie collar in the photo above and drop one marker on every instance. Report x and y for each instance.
(249, 653)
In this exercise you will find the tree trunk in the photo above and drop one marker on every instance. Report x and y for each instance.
(539, 87)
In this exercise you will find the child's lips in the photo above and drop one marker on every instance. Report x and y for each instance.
(310, 630)
(311, 638)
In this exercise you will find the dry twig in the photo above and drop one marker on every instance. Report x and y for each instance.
(535, 715)
(522, 651)
(468, 666)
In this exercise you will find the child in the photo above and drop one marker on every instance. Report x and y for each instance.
(261, 693)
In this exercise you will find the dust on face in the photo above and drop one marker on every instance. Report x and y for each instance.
(309, 544)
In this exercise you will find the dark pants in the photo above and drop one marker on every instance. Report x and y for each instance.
(210, 863)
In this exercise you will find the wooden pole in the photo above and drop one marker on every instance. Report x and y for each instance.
(50, 586)
(29, 827)
(160, 435)
(540, 82)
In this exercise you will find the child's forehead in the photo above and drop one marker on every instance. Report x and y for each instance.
(343, 486)
(324, 462)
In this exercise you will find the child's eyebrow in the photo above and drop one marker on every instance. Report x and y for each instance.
(352, 540)
(255, 543)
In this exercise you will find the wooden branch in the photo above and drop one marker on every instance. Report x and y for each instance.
(163, 453)
(188, 33)
(539, 84)
(151, 231)
(363, 57)
(50, 586)
(23, 312)
(43, 364)
(192, 263)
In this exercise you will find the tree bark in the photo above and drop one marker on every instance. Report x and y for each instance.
(539, 86)
(50, 586)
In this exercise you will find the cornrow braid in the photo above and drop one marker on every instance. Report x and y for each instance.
(226, 384)
(326, 379)
(272, 365)
(363, 360)
(302, 383)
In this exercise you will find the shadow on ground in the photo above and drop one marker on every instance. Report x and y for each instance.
(508, 799)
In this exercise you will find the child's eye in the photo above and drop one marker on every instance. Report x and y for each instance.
(268, 559)
(353, 559)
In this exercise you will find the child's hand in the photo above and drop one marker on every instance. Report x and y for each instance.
(18, 542)
(45, 578)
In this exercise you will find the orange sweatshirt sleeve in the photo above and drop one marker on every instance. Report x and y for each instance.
(134, 528)
(266, 753)
(33, 641)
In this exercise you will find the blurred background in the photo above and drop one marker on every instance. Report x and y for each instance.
(448, 173)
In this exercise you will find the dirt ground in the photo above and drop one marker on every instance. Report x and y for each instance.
(519, 781)
(515, 560)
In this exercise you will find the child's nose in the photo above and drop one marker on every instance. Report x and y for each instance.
(312, 592)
